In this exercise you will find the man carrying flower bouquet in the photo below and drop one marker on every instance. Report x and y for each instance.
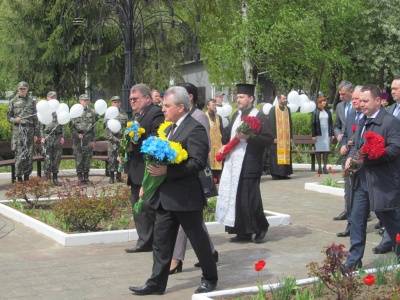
(375, 158)
(149, 116)
(239, 204)
(180, 198)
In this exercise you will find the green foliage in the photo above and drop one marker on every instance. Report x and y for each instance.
(5, 126)
(304, 295)
(84, 211)
(209, 211)
(285, 290)
(301, 124)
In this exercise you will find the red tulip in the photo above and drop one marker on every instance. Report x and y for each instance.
(330, 168)
(319, 175)
(258, 266)
(215, 180)
(333, 172)
(369, 279)
(398, 238)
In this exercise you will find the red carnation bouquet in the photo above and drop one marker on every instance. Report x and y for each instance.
(250, 126)
(374, 146)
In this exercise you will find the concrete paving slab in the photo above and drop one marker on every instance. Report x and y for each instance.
(35, 267)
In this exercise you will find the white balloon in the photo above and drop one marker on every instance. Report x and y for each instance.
(311, 106)
(227, 109)
(303, 98)
(76, 110)
(114, 125)
(293, 107)
(294, 98)
(220, 111)
(303, 108)
(100, 106)
(45, 118)
(63, 117)
(225, 122)
(266, 108)
(43, 107)
(53, 104)
(275, 101)
(62, 107)
(111, 113)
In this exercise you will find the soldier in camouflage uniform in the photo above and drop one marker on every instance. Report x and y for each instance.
(84, 134)
(52, 140)
(22, 114)
(113, 140)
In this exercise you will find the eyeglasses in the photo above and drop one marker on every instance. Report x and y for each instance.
(85, 99)
(135, 99)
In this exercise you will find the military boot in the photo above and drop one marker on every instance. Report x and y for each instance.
(55, 180)
(26, 177)
(48, 176)
(86, 177)
(111, 181)
(80, 178)
(119, 177)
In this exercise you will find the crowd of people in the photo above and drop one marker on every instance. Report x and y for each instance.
(175, 212)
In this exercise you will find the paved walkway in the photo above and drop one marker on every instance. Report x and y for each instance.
(35, 267)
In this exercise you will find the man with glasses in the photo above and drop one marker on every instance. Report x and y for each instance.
(149, 116)
(84, 134)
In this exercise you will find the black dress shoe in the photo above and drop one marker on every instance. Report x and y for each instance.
(381, 250)
(146, 290)
(341, 217)
(137, 249)
(205, 287)
(382, 230)
(260, 236)
(215, 255)
(378, 225)
(241, 238)
(345, 233)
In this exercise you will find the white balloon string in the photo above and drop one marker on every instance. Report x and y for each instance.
(298, 151)
(24, 148)
(51, 132)
(28, 116)
(93, 126)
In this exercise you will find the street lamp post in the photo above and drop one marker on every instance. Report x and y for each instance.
(133, 23)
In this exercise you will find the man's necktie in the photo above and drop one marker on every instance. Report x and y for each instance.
(362, 139)
(347, 108)
(396, 111)
(171, 132)
(358, 114)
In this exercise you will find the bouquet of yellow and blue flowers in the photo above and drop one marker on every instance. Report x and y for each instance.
(158, 150)
(132, 134)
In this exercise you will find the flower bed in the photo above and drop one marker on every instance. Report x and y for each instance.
(114, 236)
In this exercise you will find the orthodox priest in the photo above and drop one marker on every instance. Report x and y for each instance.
(280, 124)
(239, 204)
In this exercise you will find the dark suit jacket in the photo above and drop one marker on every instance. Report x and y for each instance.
(382, 174)
(181, 189)
(150, 119)
(253, 159)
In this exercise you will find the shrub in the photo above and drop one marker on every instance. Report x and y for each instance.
(31, 190)
(301, 124)
(79, 210)
(5, 127)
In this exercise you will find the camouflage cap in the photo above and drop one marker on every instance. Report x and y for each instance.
(115, 98)
(23, 85)
(83, 96)
(219, 94)
(52, 94)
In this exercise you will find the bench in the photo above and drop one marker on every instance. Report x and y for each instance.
(99, 153)
(307, 140)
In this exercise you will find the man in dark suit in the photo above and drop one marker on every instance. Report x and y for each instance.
(239, 205)
(149, 116)
(342, 109)
(353, 117)
(377, 182)
(180, 198)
